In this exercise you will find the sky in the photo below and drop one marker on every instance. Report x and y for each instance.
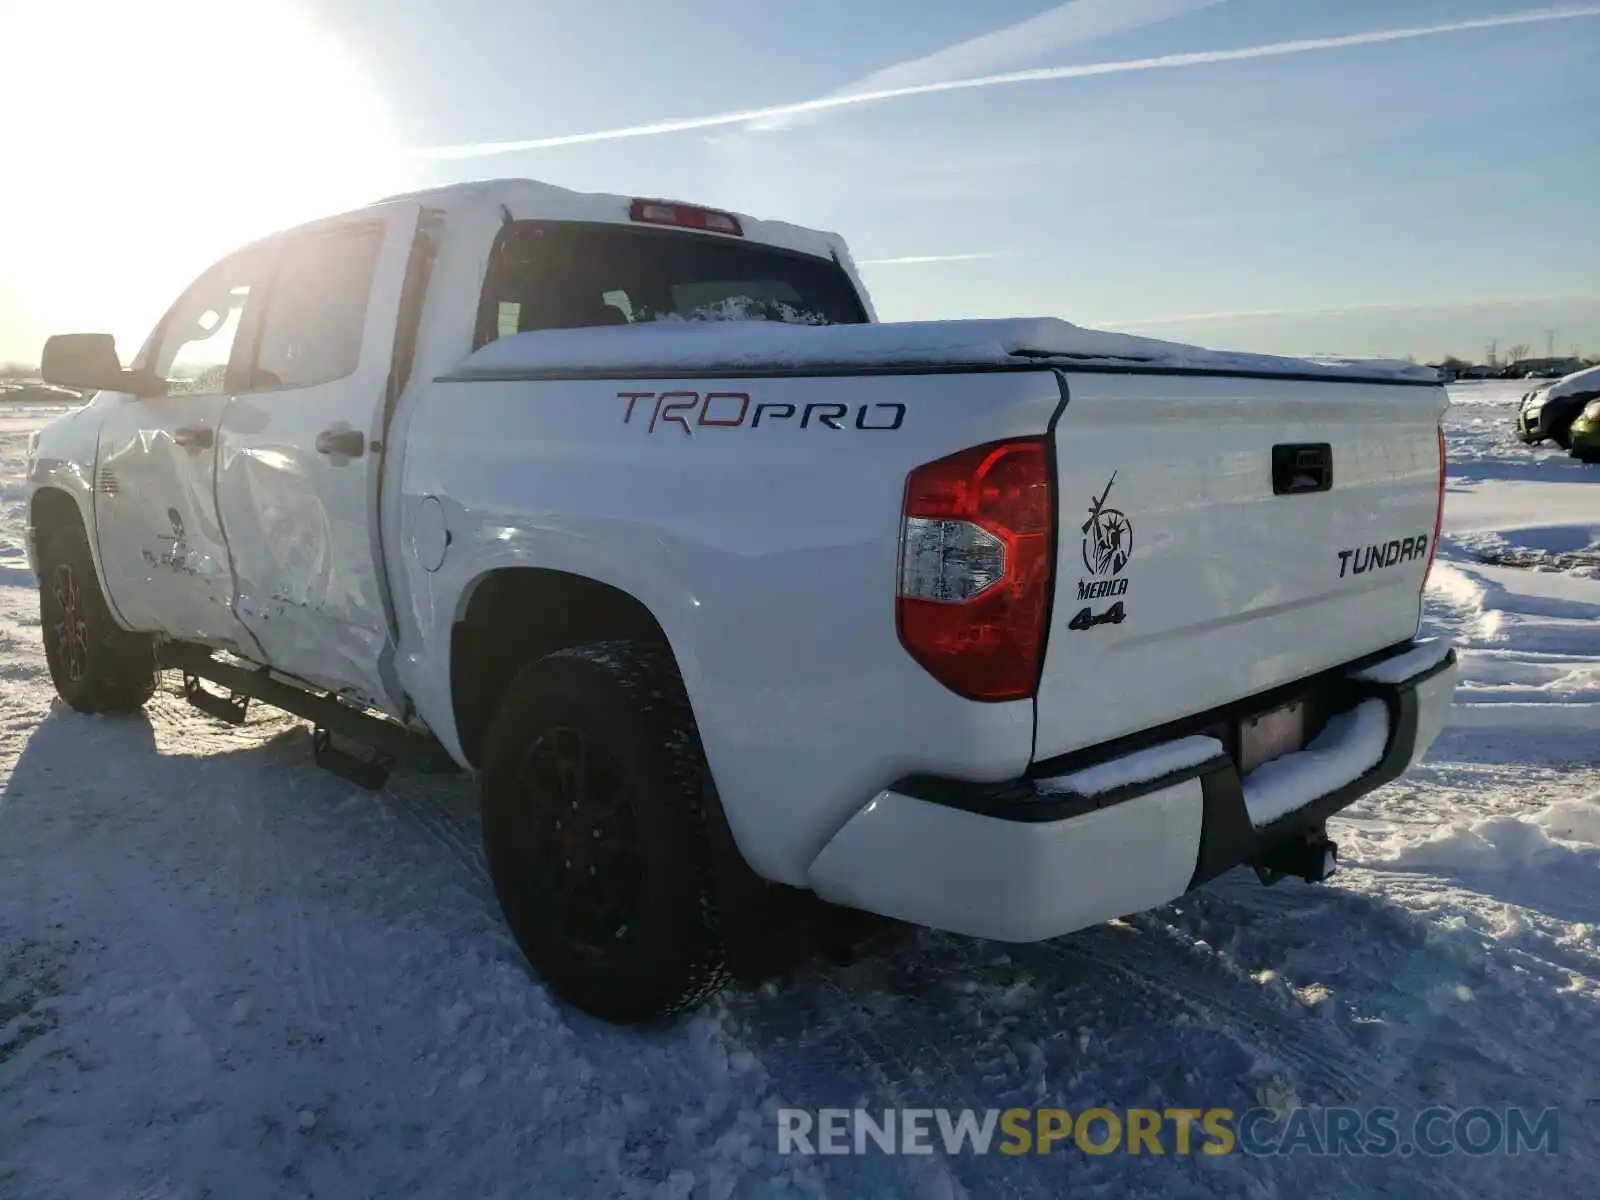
(1383, 177)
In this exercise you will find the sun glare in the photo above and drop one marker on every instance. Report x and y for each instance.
(143, 141)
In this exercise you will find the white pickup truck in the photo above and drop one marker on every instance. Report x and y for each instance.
(733, 598)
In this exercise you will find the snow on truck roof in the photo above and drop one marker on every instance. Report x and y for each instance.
(530, 199)
(679, 346)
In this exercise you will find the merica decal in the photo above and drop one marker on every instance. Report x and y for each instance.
(1107, 546)
(734, 410)
(1099, 589)
(1107, 537)
(1360, 559)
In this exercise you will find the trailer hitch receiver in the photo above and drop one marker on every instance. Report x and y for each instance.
(1310, 855)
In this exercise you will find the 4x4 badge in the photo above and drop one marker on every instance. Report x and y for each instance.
(1087, 618)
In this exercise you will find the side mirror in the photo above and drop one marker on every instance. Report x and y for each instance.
(89, 362)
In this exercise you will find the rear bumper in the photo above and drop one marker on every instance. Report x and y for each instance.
(1043, 857)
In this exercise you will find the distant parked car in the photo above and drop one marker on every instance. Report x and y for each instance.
(1548, 412)
(38, 393)
(1585, 433)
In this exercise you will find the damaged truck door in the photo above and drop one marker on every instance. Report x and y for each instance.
(299, 455)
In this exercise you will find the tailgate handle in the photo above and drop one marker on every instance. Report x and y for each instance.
(1301, 467)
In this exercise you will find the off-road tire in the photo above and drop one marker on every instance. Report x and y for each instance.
(643, 776)
(96, 665)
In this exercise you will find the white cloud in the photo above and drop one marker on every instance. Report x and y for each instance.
(1347, 310)
(1065, 25)
(1033, 75)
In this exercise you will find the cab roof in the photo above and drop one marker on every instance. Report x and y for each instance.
(531, 199)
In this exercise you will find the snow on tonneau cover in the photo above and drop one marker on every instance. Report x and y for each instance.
(1228, 522)
(761, 346)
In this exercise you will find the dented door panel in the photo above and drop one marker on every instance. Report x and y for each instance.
(161, 545)
(300, 455)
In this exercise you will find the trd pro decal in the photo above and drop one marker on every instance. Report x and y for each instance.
(1361, 559)
(689, 411)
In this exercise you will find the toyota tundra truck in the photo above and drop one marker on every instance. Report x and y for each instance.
(734, 600)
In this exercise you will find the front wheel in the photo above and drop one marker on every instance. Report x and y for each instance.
(96, 665)
(594, 789)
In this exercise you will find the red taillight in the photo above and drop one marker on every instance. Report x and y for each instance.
(1438, 513)
(685, 216)
(976, 550)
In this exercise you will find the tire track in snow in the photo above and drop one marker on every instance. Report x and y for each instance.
(1433, 994)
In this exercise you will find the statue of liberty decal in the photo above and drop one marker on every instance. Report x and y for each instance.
(1107, 537)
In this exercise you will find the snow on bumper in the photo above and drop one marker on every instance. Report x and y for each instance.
(1038, 858)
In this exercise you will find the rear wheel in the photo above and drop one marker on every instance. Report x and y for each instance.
(97, 666)
(594, 790)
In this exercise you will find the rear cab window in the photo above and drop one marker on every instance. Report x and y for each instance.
(574, 275)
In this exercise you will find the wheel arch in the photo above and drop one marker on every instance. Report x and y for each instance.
(54, 507)
(509, 616)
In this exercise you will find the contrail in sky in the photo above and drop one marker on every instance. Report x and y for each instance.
(913, 259)
(1043, 35)
(1035, 75)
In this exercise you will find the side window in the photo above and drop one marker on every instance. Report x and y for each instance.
(197, 337)
(317, 311)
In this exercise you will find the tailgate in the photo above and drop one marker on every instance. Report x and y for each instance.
(1222, 536)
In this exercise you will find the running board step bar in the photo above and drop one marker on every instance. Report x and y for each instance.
(391, 744)
(231, 708)
(370, 772)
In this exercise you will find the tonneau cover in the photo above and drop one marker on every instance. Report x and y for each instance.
(686, 347)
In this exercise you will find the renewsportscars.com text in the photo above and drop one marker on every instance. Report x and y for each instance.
(1177, 1131)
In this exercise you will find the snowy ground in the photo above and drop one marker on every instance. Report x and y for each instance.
(225, 973)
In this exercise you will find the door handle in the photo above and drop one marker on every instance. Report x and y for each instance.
(198, 437)
(351, 443)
